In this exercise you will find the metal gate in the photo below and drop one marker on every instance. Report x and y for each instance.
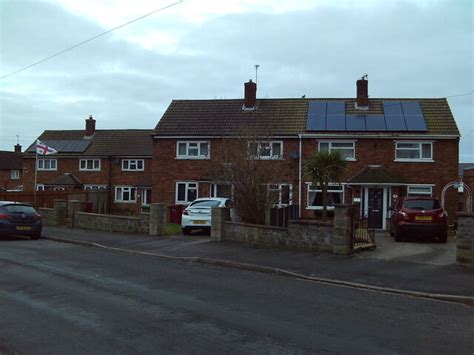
(363, 237)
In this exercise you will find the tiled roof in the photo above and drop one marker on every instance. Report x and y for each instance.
(465, 166)
(123, 142)
(67, 179)
(10, 160)
(280, 117)
(375, 174)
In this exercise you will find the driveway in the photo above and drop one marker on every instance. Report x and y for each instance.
(415, 251)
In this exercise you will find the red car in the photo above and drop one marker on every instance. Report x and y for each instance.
(420, 216)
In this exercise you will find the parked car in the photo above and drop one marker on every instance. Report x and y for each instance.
(198, 214)
(19, 219)
(420, 216)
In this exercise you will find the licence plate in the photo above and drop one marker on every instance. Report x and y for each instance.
(199, 222)
(23, 228)
(422, 218)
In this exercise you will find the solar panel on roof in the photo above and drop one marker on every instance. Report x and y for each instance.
(375, 123)
(392, 108)
(316, 120)
(336, 122)
(395, 123)
(336, 107)
(65, 146)
(355, 122)
(414, 118)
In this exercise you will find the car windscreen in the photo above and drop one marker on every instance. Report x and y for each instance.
(421, 204)
(19, 209)
(205, 204)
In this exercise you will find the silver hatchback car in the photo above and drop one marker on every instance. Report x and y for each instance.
(198, 214)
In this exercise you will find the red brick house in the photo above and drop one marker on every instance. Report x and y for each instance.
(118, 161)
(394, 147)
(11, 169)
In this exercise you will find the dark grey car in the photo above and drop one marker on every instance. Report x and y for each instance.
(19, 219)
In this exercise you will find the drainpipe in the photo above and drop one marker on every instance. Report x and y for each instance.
(109, 190)
(300, 176)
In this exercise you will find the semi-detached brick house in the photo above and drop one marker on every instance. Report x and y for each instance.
(394, 147)
(11, 169)
(93, 159)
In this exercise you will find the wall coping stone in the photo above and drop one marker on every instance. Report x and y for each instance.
(464, 214)
(308, 221)
(263, 226)
(109, 216)
(45, 209)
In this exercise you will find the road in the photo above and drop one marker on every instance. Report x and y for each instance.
(61, 298)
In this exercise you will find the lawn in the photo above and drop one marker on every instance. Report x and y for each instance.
(172, 228)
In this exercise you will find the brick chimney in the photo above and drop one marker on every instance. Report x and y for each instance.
(17, 148)
(250, 95)
(90, 127)
(363, 92)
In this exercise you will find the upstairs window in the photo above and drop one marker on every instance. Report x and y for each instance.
(265, 150)
(347, 149)
(89, 164)
(47, 164)
(15, 174)
(192, 150)
(133, 165)
(413, 151)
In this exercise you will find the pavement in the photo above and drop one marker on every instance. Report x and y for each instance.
(409, 271)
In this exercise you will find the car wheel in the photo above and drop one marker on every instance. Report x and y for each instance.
(398, 236)
(36, 236)
(443, 238)
(186, 231)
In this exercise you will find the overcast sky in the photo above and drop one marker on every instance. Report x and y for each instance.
(208, 49)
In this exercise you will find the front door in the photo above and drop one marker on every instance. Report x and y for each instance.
(375, 208)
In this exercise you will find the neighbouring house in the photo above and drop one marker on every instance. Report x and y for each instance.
(11, 169)
(393, 146)
(118, 161)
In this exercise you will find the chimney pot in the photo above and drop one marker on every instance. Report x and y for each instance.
(362, 92)
(17, 148)
(90, 126)
(250, 92)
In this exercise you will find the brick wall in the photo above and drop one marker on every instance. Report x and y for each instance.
(117, 177)
(6, 183)
(167, 169)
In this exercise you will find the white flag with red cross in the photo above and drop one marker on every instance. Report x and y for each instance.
(43, 149)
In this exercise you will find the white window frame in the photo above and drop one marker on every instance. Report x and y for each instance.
(86, 161)
(260, 149)
(309, 188)
(39, 187)
(59, 188)
(190, 145)
(119, 194)
(411, 190)
(94, 187)
(15, 174)
(213, 190)
(132, 164)
(331, 148)
(188, 187)
(42, 163)
(419, 148)
(279, 188)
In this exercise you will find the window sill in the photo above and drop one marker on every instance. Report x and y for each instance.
(87, 170)
(47, 170)
(192, 158)
(318, 208)
(414, 161)
(125, 201)
(134, 170)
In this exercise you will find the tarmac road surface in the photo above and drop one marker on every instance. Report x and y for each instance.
(62, 298)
